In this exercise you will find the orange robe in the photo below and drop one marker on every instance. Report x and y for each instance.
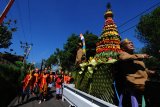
(36, 76)
(43, 84)
(26, 81)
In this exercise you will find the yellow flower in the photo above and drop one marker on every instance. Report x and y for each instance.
(93, 62)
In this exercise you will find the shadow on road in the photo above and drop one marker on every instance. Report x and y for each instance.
(32, 98)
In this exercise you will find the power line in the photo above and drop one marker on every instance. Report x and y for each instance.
(136, 17)
(135, 26)
(11, 15)
(6, 10)
(29, 19)
(21, 24)
(139, 14)
(128, 29)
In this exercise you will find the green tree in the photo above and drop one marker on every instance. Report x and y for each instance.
(68, 54)
(6, 31)
(91, 40)
(148, 32)
(53, 59)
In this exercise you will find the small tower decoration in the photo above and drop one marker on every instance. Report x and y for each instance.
(108, 44)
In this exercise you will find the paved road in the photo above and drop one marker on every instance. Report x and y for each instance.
(51, 102)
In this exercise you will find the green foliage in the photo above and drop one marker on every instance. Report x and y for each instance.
(148, 32)
(68, 54)
(98, 84)
(102, 83)
(91, 41)
(9, 72)
(19, 63)
(104, 56)
(27, 67)
(152, 64)
(51, 60)
(9, 76)
(6, 34)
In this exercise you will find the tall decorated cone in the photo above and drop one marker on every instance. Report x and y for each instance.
(96, 76)
(108, 44)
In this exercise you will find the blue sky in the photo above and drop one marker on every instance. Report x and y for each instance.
(48, 23)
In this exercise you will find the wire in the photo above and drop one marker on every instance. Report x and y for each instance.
(29, 18)
(128, 29)
(134, 26)
(5, 4)
(9, 14)
(136, 17)
(21, 21)
(139, 14)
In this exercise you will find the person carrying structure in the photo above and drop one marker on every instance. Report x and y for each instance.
(131, 76)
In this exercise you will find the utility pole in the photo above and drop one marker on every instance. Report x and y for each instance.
(4, 13)
(41, 65)
(59, 64)
(43, 62)
(27, 48)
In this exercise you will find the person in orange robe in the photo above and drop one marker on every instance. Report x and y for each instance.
(35, 82)
(43, 86)
(51, 79)
(65, 78)
(58, 82)
(26, 86)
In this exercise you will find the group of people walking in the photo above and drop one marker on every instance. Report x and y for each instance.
(39, 83)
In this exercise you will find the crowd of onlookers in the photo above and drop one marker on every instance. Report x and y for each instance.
(40, 82)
